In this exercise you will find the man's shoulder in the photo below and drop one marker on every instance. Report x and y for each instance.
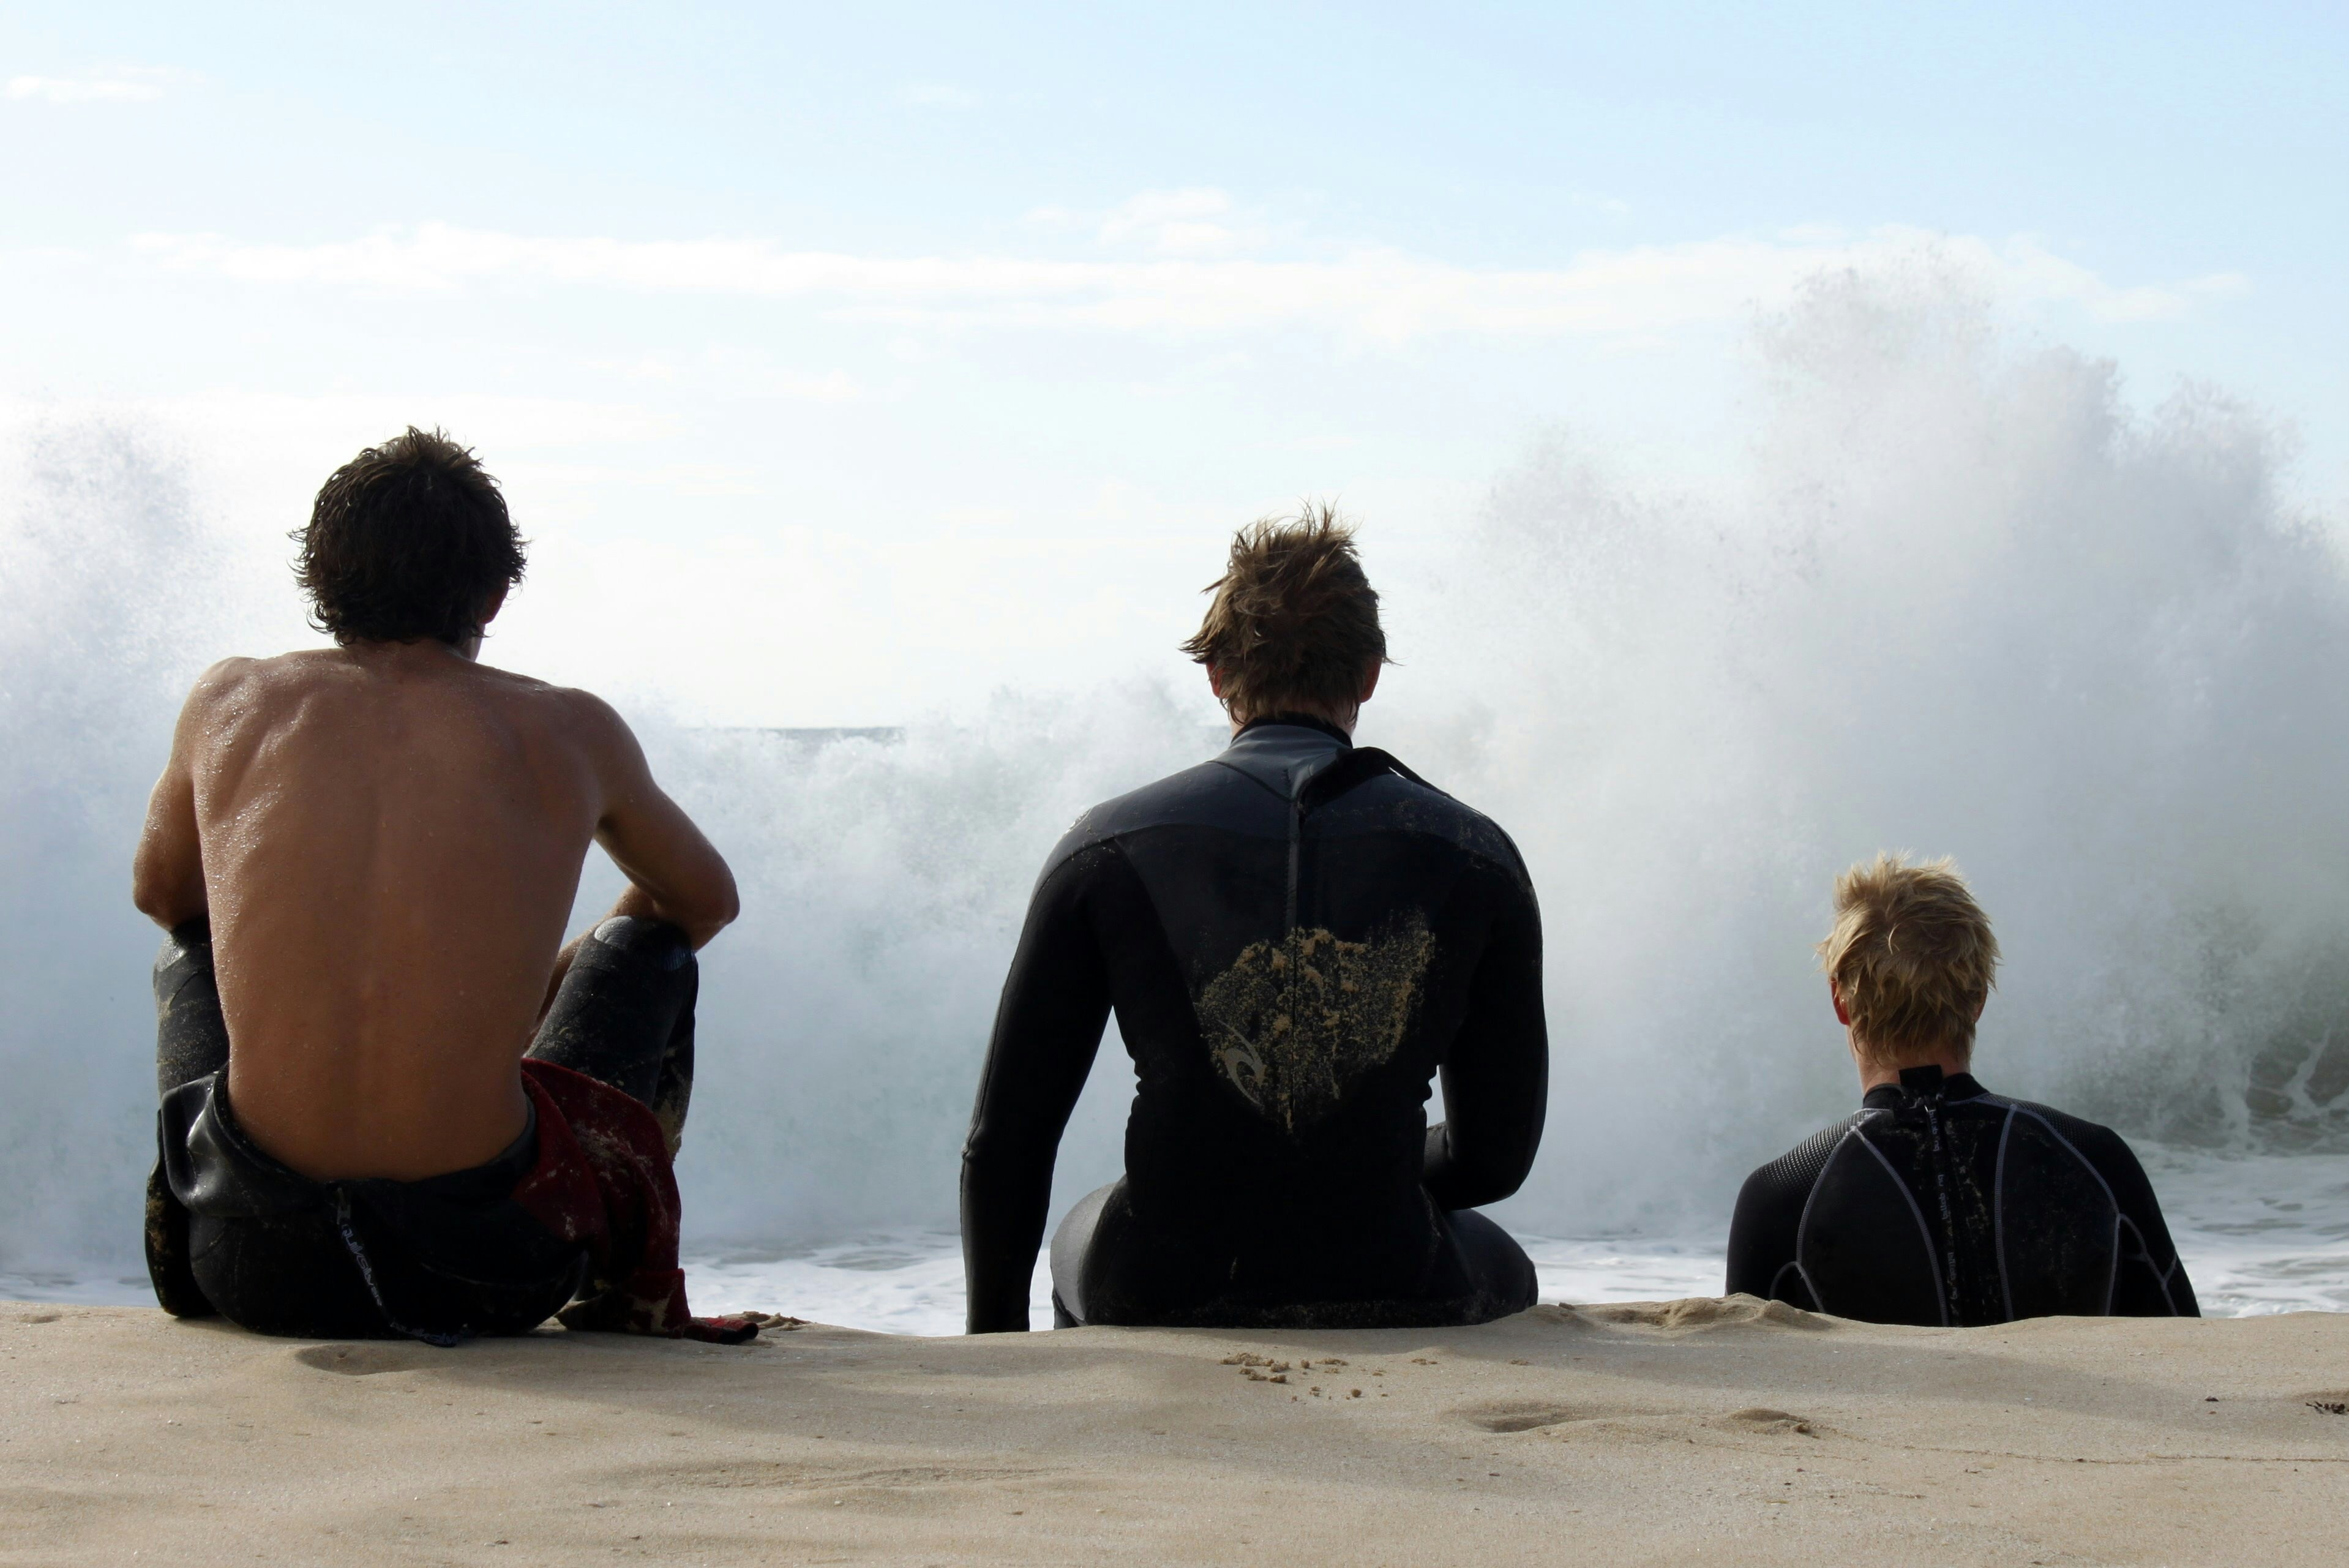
(1210, 791)
(1792, 1174)
(573, 703)
(1394, 802)
(1207, 794)
(2097, 1143)
(240, 689)
(244, 673)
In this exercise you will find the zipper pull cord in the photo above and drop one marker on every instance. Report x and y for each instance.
(1948, 1217)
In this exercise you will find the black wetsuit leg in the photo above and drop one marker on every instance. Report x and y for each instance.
(1071, 1244)
(1499, 1272)
(623, 1016)
(191, 1043)
(295, 1266)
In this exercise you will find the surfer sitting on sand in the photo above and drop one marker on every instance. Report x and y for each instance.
(1295, 936)
(1940, 1202)
(390, 1105)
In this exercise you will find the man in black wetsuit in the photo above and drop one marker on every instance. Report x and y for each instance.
(1296, 937)
(1940, 1202)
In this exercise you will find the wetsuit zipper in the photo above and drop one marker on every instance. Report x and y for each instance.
(1296, 846)
(1948, 1218)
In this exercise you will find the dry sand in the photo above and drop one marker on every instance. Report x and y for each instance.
(1694, 1432)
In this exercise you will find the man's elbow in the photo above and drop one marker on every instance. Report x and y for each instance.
(716, 907)
(1474, 1177)
(1491, 1185)
(727, 909)
(169, 902)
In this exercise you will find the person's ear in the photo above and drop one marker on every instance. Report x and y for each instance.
(1369, 684)
(490, 611)
(1843, 1014)
(1216, 682)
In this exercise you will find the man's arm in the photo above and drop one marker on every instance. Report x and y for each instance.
(1047, 1029)
(2151, 1280)
(1496, 1076)
(673, 873)
(167, 873)
(1768, 1221)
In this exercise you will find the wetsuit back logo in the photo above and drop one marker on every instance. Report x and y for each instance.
(1292, 1025)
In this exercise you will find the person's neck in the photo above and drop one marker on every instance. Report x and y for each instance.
(423, 652)
(1952, 1063)
(1307, 718)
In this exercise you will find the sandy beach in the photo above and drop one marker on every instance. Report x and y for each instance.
(1692, 1431)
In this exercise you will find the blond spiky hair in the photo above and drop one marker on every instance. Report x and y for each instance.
(1912, 955)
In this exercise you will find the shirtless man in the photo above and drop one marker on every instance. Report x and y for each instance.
(391, 1104)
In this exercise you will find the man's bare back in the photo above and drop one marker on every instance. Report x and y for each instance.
(386, 837)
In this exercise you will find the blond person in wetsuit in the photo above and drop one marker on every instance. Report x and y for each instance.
(1939, 1203)
(365, 856)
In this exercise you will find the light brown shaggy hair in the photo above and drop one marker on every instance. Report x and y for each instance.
(1294, 624)
(1912, 955)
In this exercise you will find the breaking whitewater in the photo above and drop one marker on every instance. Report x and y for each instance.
(1961, 598)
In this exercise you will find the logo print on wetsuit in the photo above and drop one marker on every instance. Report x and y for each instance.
(1292, 1023)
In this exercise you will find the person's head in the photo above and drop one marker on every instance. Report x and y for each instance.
(409, 540)
(1911, 961)
(1294, 624)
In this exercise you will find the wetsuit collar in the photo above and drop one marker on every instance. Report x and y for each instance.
(1284, 750)
(1892, 1096)
(1299, 722)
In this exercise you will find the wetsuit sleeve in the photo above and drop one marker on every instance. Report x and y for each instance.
(2150, 1280)
(1047, 1029)
(1496, 1074)
(1768, 1222)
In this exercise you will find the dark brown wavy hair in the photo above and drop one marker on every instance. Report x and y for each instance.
(407, 540)
(1294, 623)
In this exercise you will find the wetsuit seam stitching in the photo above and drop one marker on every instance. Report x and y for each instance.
(1998, 1214)
(1803, 1222)
(1940, 1299)
(2111, 1282)
(2144, 1254)
(1286, 799)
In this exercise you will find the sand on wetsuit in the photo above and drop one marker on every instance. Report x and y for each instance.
(579, 1216)
(1940, 1202)
(1296, 937)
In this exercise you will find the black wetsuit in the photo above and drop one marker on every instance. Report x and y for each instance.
(1296, 937)
(1943, 1204)
(230, 1230)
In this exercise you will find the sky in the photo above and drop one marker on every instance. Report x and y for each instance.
(845, 365)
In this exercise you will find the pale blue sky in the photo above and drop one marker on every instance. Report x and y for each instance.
(954, 338)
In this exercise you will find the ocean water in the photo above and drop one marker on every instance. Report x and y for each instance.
(1952, 590)
(2259, 1235)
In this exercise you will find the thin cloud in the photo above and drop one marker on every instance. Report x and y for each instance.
(936, 95)
(1380, 295)
(1175, 223)
(122, 86)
